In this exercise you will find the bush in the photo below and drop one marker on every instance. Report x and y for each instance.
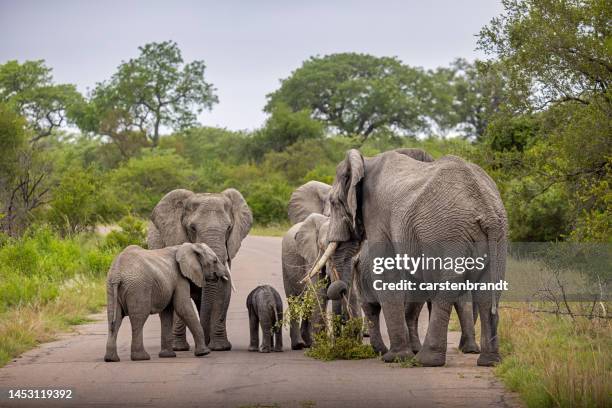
(143, 181)
(33, 267)
(343, 342)
(133, 232)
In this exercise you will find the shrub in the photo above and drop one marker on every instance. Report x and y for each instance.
(133, 232)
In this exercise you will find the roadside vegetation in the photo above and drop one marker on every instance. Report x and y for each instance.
(535, 114)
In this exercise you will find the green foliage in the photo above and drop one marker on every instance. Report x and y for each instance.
(143, 181)
(155, 89)
(12, 142)
(33, 267)
(354, 93)
(29, 90)
(133, 231)
(79, 201)
(343, 342)
(282, 129)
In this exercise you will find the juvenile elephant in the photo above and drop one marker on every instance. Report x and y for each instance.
(265, 308)
(141, 282)
(221, 221)
(402, 205)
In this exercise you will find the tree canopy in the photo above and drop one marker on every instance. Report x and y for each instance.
(155, 89)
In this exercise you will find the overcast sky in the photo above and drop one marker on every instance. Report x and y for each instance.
(247, 45)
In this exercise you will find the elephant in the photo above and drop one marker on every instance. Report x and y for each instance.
(221, 221)
(301, 246)
(141, 282)
(265, 308)
(402, 205)
(371, 305)
(310, 198)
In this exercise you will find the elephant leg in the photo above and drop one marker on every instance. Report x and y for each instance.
(138, 352)
(372, 314)
(254, 330)
(179, 328)
(179, 335)
(216, 298)
(467, 344)
(413, 310)
(489, 354)
(296, 337)
(113, 330)
(165, 318)
(184, 309)
(394, 312)
(306, 332)
(278, 333)
(433, 352)
(266, 329)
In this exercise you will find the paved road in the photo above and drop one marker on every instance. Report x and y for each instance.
(239, 378)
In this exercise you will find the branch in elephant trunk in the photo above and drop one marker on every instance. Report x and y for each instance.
(317, 267)
(231, 281)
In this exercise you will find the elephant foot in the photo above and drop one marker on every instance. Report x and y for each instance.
(488, 359)
(140, 356)
(264, 349)
(379, 348)
(397, 356)
(253, 348)
(220, 345)
(180, 344)
(470, 348)
(298, 346)
(111, 357)
(429, 358)
(278, 349)
(166, 354)
(415, 346)
(201, 351)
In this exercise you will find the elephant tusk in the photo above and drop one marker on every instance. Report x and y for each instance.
(231, 281)
(315, 269)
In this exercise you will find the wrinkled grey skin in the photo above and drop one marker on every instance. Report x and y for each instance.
(265, 308)
(309, 198)
(400, 202)
(301, 247)
(371, 308)
(371, 305)
(221, 221)
(141, 282)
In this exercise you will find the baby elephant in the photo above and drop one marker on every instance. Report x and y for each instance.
(141, 282)
(266, 308)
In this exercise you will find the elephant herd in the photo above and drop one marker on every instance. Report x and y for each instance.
(400, 201)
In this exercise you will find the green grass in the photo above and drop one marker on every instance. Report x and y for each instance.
(554, 361)
(47, 284)
(271, 230)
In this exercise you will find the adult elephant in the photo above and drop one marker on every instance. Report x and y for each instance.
(309, 198)
(221, 221)
(401, 204)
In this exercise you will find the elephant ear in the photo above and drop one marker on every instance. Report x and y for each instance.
(351, 173)
(416, 154)
(242, 219)
(307, 237)
(312, 197)
(167, 217)
(189, 264)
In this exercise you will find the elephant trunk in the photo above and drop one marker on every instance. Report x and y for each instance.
(322, 261)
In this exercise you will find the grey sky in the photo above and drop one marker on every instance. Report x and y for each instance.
(247, 45)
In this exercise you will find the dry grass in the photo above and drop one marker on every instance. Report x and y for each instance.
(24, 327)
(556, 361)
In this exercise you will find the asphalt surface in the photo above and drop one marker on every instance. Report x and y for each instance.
(239, 378)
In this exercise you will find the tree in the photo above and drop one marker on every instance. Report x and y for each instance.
(29, 90)
(282, 129)
(155, 89)
(355, 94)
(556, 55)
